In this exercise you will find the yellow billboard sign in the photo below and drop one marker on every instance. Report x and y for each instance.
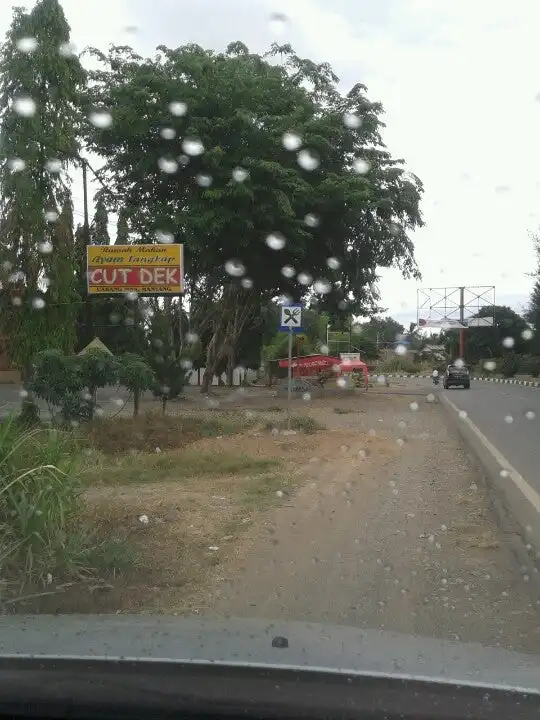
(142, 269)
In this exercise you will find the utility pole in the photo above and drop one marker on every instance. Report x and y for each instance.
(462, 320)
(89, 320)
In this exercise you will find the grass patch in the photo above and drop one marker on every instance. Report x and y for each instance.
(43, 536)
(117, 435)
(173, 466)
(265, 489)
(343, 411)
(305, 423)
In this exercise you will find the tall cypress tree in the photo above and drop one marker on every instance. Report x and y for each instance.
(533, 311)
(40, 89)
(99, 229)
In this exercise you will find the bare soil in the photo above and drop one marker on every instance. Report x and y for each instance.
(380, 520)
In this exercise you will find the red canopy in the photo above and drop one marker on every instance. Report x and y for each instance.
(314, 364)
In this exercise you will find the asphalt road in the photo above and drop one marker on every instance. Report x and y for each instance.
(509, 416)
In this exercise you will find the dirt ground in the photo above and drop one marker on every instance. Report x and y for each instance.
(378, 520)
(393, 530)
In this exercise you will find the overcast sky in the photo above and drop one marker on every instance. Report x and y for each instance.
(458, 80)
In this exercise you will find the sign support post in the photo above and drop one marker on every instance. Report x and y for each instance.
(289, 376)
(291, 323)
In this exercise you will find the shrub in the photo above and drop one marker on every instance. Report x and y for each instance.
(68, 384)
(57, 380)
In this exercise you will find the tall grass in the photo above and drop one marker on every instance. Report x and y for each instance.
(39, 502)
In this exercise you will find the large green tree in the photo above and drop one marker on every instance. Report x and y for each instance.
(40, 86)
(481, 343)
(274, 181)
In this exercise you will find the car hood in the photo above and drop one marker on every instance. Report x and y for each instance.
(258, 643)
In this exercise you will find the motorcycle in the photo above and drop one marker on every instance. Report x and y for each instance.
(435, 379)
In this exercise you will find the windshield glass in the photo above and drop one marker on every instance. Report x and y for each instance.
(225, 283)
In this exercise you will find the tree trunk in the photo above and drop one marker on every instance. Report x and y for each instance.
(237, 307)
(136, 403)
(230, 369)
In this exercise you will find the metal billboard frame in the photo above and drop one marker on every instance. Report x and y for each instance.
(454, 307)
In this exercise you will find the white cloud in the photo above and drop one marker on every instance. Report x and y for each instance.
(458, 85)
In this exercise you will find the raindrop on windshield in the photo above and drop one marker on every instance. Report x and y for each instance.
(178, 108)
(204, 180)
(276, 241)
(192, 146)
(167, 165)
(235, 268)
(361, 166)
(508, 342)
(24, 106)
(288, 271)
(311, 220)
(27, 44)
(101, 119)
(333, 263)
(352, 121)
(167, 133)
(54, 165)
(322, 287)
(45, 247)
(67, 49)
(278, 23)
(308, 160)
(166, 238)
(291, 141)
(239, 174)
(16, 164)
(305, 279)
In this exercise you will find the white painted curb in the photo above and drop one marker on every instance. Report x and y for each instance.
(504, 381)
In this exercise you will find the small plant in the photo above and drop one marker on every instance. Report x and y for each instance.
(510, 364)
(97, 369)
(137, 376)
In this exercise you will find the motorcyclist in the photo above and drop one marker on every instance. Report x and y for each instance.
(435, 376)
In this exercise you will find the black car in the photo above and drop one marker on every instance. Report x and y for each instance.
(457, 376)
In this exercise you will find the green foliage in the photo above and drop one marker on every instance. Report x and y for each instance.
(68, 384)
(99, 229)
(240, 105)
(510, 364)
(55, 376)
(396, 365)
(171, 371)
(39, 503)
(35, 319)
(382, 330)
(487, 342)
(97, 369)
(137, 376)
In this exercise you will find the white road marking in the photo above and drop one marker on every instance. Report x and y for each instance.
(529, 492)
